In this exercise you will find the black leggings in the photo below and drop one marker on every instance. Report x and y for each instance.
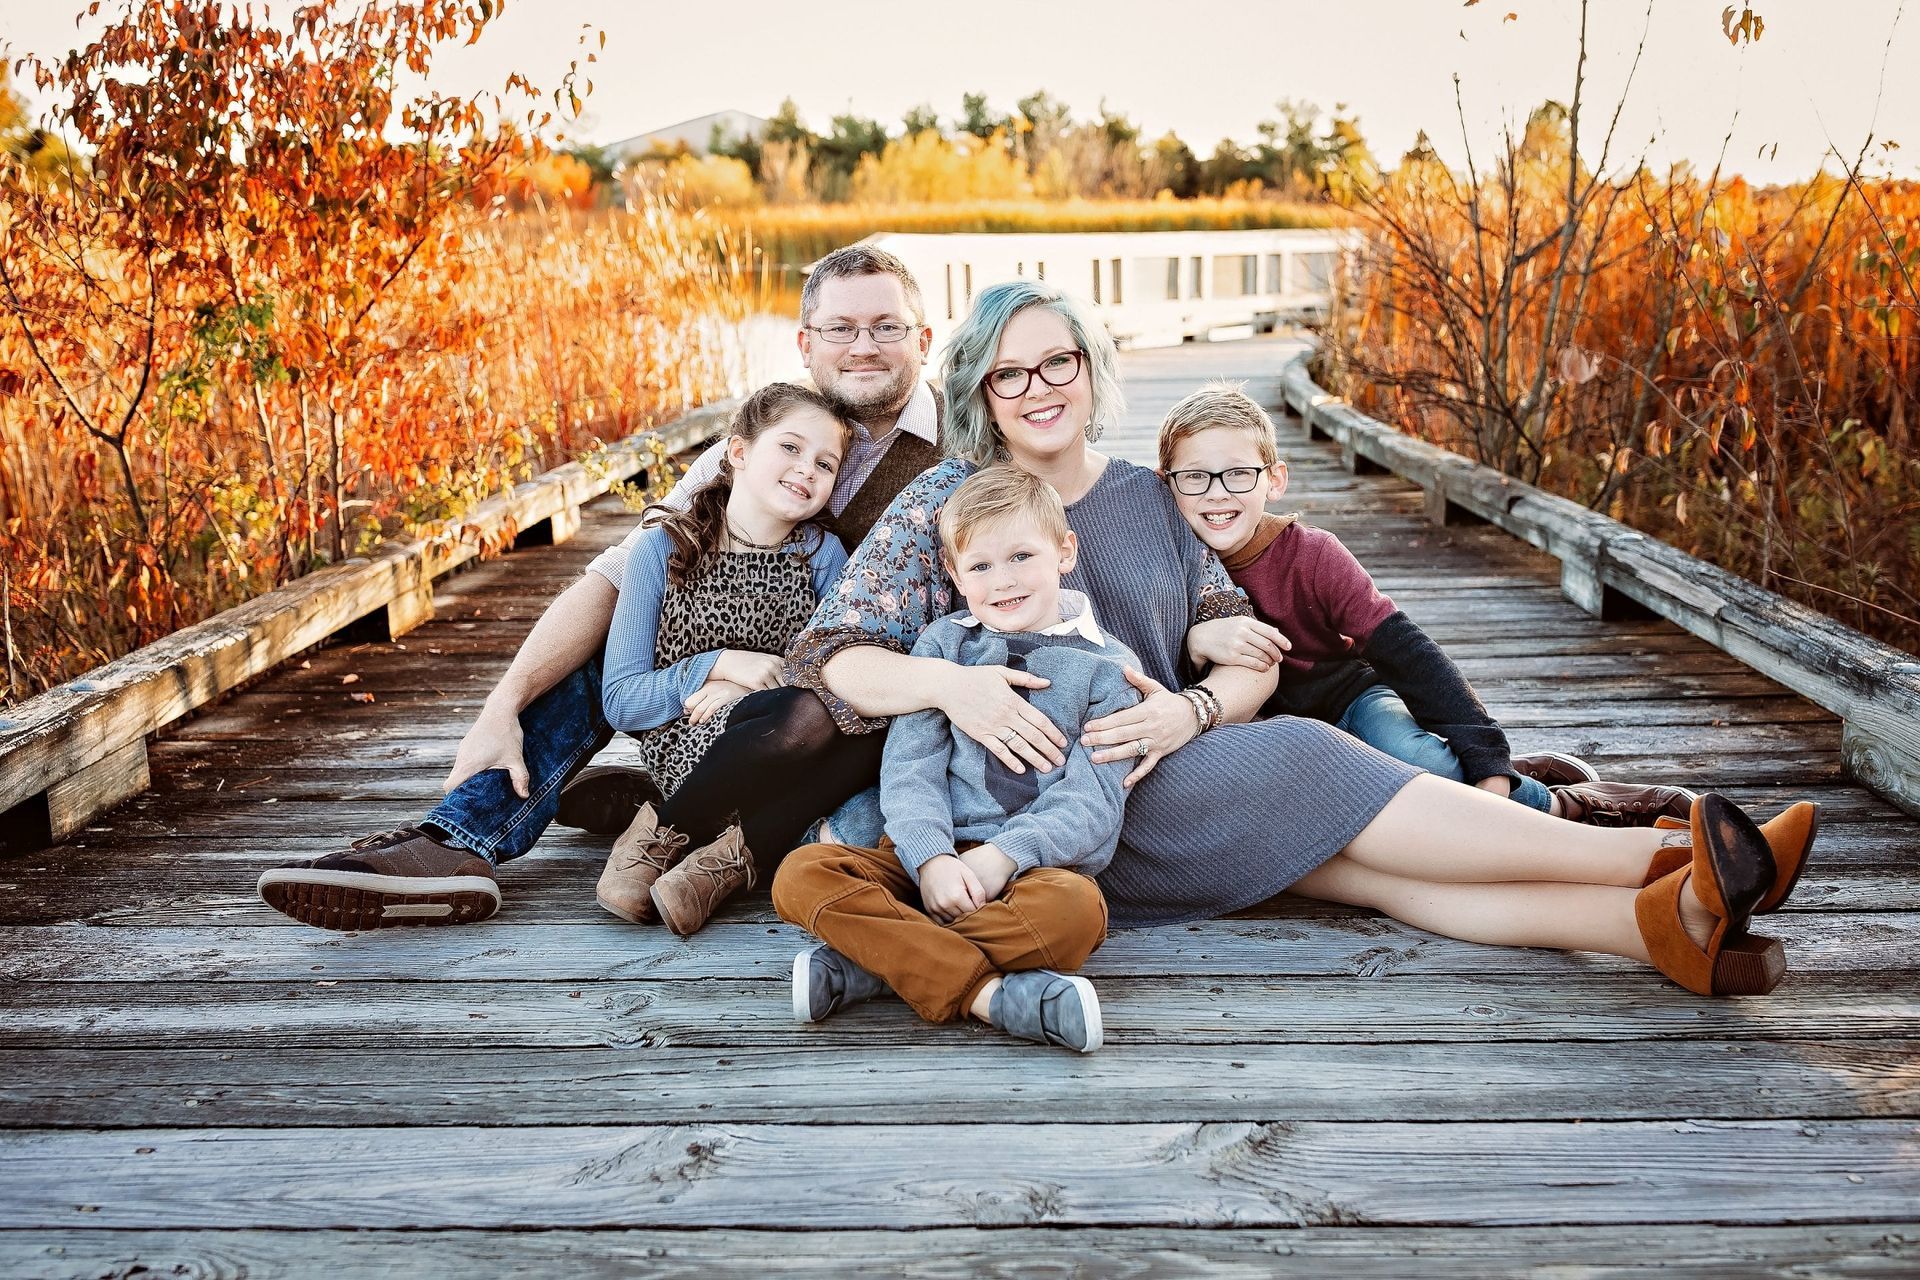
(780, 764)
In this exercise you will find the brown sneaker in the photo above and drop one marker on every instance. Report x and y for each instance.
(1622, 804)
(605, 798)
(647, 851)
(1554, 769)
(687, 896)
(403, 877)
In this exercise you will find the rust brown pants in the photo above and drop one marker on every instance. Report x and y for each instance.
(863, 904)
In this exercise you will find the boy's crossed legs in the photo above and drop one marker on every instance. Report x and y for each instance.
(865, 906)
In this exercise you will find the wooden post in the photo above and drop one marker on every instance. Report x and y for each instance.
(1882, 750)
(551, 532)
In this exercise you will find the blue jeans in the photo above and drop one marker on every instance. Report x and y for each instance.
(561, 730)
(1381, 720)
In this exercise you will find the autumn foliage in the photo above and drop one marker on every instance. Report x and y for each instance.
(281, 309)
(1731, 369)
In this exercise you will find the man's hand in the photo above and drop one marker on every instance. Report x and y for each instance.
(1236, 642)
(991, 867)
(1500, 784)
(981, 703)
(710, 697)
(494, 742)
(949, 889)
(748, 669)
(1162, 719)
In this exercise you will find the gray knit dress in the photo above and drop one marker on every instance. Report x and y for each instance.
(1233, 817)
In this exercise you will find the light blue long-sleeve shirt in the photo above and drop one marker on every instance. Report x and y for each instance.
(938, 786)
(636, 693)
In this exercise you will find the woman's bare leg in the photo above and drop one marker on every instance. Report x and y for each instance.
(1446, 832)
(1567, 917)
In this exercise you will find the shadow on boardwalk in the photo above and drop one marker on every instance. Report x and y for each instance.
(188, 1079)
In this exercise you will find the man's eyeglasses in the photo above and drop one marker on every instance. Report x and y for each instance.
(1194, 484)
(886, 331)
(1055, 371)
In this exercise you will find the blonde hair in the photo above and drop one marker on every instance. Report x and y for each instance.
(995, 494)
(1218, 404)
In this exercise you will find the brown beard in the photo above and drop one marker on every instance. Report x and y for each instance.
(889, 399)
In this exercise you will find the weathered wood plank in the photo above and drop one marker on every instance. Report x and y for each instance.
(280, 1018)
(907, 1084)
(1753, 1252)
(809, 1176)
(597, 947)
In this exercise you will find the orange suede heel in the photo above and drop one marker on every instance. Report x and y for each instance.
(1789, 834)
(1733, 963)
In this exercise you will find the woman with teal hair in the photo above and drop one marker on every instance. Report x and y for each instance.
(1223, 813)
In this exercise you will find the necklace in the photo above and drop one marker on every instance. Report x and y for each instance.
(749, 544)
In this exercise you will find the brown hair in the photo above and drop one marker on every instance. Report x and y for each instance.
(700, 529)
(1218, 404)
(860, 260)
(998, 493)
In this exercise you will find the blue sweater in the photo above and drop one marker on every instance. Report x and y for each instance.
(635, 693)
(938, 786)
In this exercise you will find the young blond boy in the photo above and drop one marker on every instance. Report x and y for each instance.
(981, 890)
(1356, 661)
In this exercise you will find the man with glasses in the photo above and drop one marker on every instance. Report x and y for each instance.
(864, 340)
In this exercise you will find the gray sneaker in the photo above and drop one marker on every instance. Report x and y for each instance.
(825, 982)
(1048, 1008)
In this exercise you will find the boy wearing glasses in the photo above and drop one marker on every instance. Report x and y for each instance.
(981, 888)
(1355, 661)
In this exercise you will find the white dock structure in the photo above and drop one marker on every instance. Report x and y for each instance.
(1153, 288)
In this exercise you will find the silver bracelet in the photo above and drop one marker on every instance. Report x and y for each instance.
(1202, 713)
(1212, 701)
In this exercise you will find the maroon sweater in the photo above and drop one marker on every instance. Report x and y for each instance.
(1348, 636)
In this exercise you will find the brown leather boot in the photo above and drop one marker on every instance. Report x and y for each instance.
(1789, 834)
(647, 851)
(687, 896)
(1554, 768)
(1623, 804)
(1731, 869)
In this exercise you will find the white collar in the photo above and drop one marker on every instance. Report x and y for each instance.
(921, 417)
(1081, 623)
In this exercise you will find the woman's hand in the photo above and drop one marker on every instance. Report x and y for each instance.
(711, 697)
(981, 703)
(949, 889)
(749, 670)
(1236, 642)
(1162, 719)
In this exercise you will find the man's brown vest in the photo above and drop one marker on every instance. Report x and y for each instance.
(906, 457)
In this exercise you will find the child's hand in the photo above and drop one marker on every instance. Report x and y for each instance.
(749, 669)
(1236, 642)
(949, 889)
(992, 867)
(709, 698)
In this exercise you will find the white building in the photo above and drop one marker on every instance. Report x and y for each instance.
(693, 135)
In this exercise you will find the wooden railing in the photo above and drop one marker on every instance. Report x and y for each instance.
(78, 749)
(1607, 568)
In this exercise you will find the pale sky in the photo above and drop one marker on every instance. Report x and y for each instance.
(1211, 69)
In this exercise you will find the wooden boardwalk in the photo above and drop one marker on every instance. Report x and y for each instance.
(187, 1080)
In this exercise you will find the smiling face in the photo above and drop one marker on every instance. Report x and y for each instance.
(864, 378)
(1040, 427)
(787, 470)
(1009, 572)
(1225, 521)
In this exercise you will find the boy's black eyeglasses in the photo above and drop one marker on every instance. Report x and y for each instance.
(1055, 371)
(847, 334)
(1194, 484)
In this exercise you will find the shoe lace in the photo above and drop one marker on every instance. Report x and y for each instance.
(657, 851)
(715, 867)
(386, 839)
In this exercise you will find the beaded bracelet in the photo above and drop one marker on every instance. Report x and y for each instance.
(1206, 707)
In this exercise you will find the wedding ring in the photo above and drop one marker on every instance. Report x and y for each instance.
(1009, 735)
(1143, 747)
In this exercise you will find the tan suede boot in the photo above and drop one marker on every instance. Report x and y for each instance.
(1789, 834)
(644, 853)
(687, 896)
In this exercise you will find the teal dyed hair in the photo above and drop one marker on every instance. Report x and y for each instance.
(969, 431)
